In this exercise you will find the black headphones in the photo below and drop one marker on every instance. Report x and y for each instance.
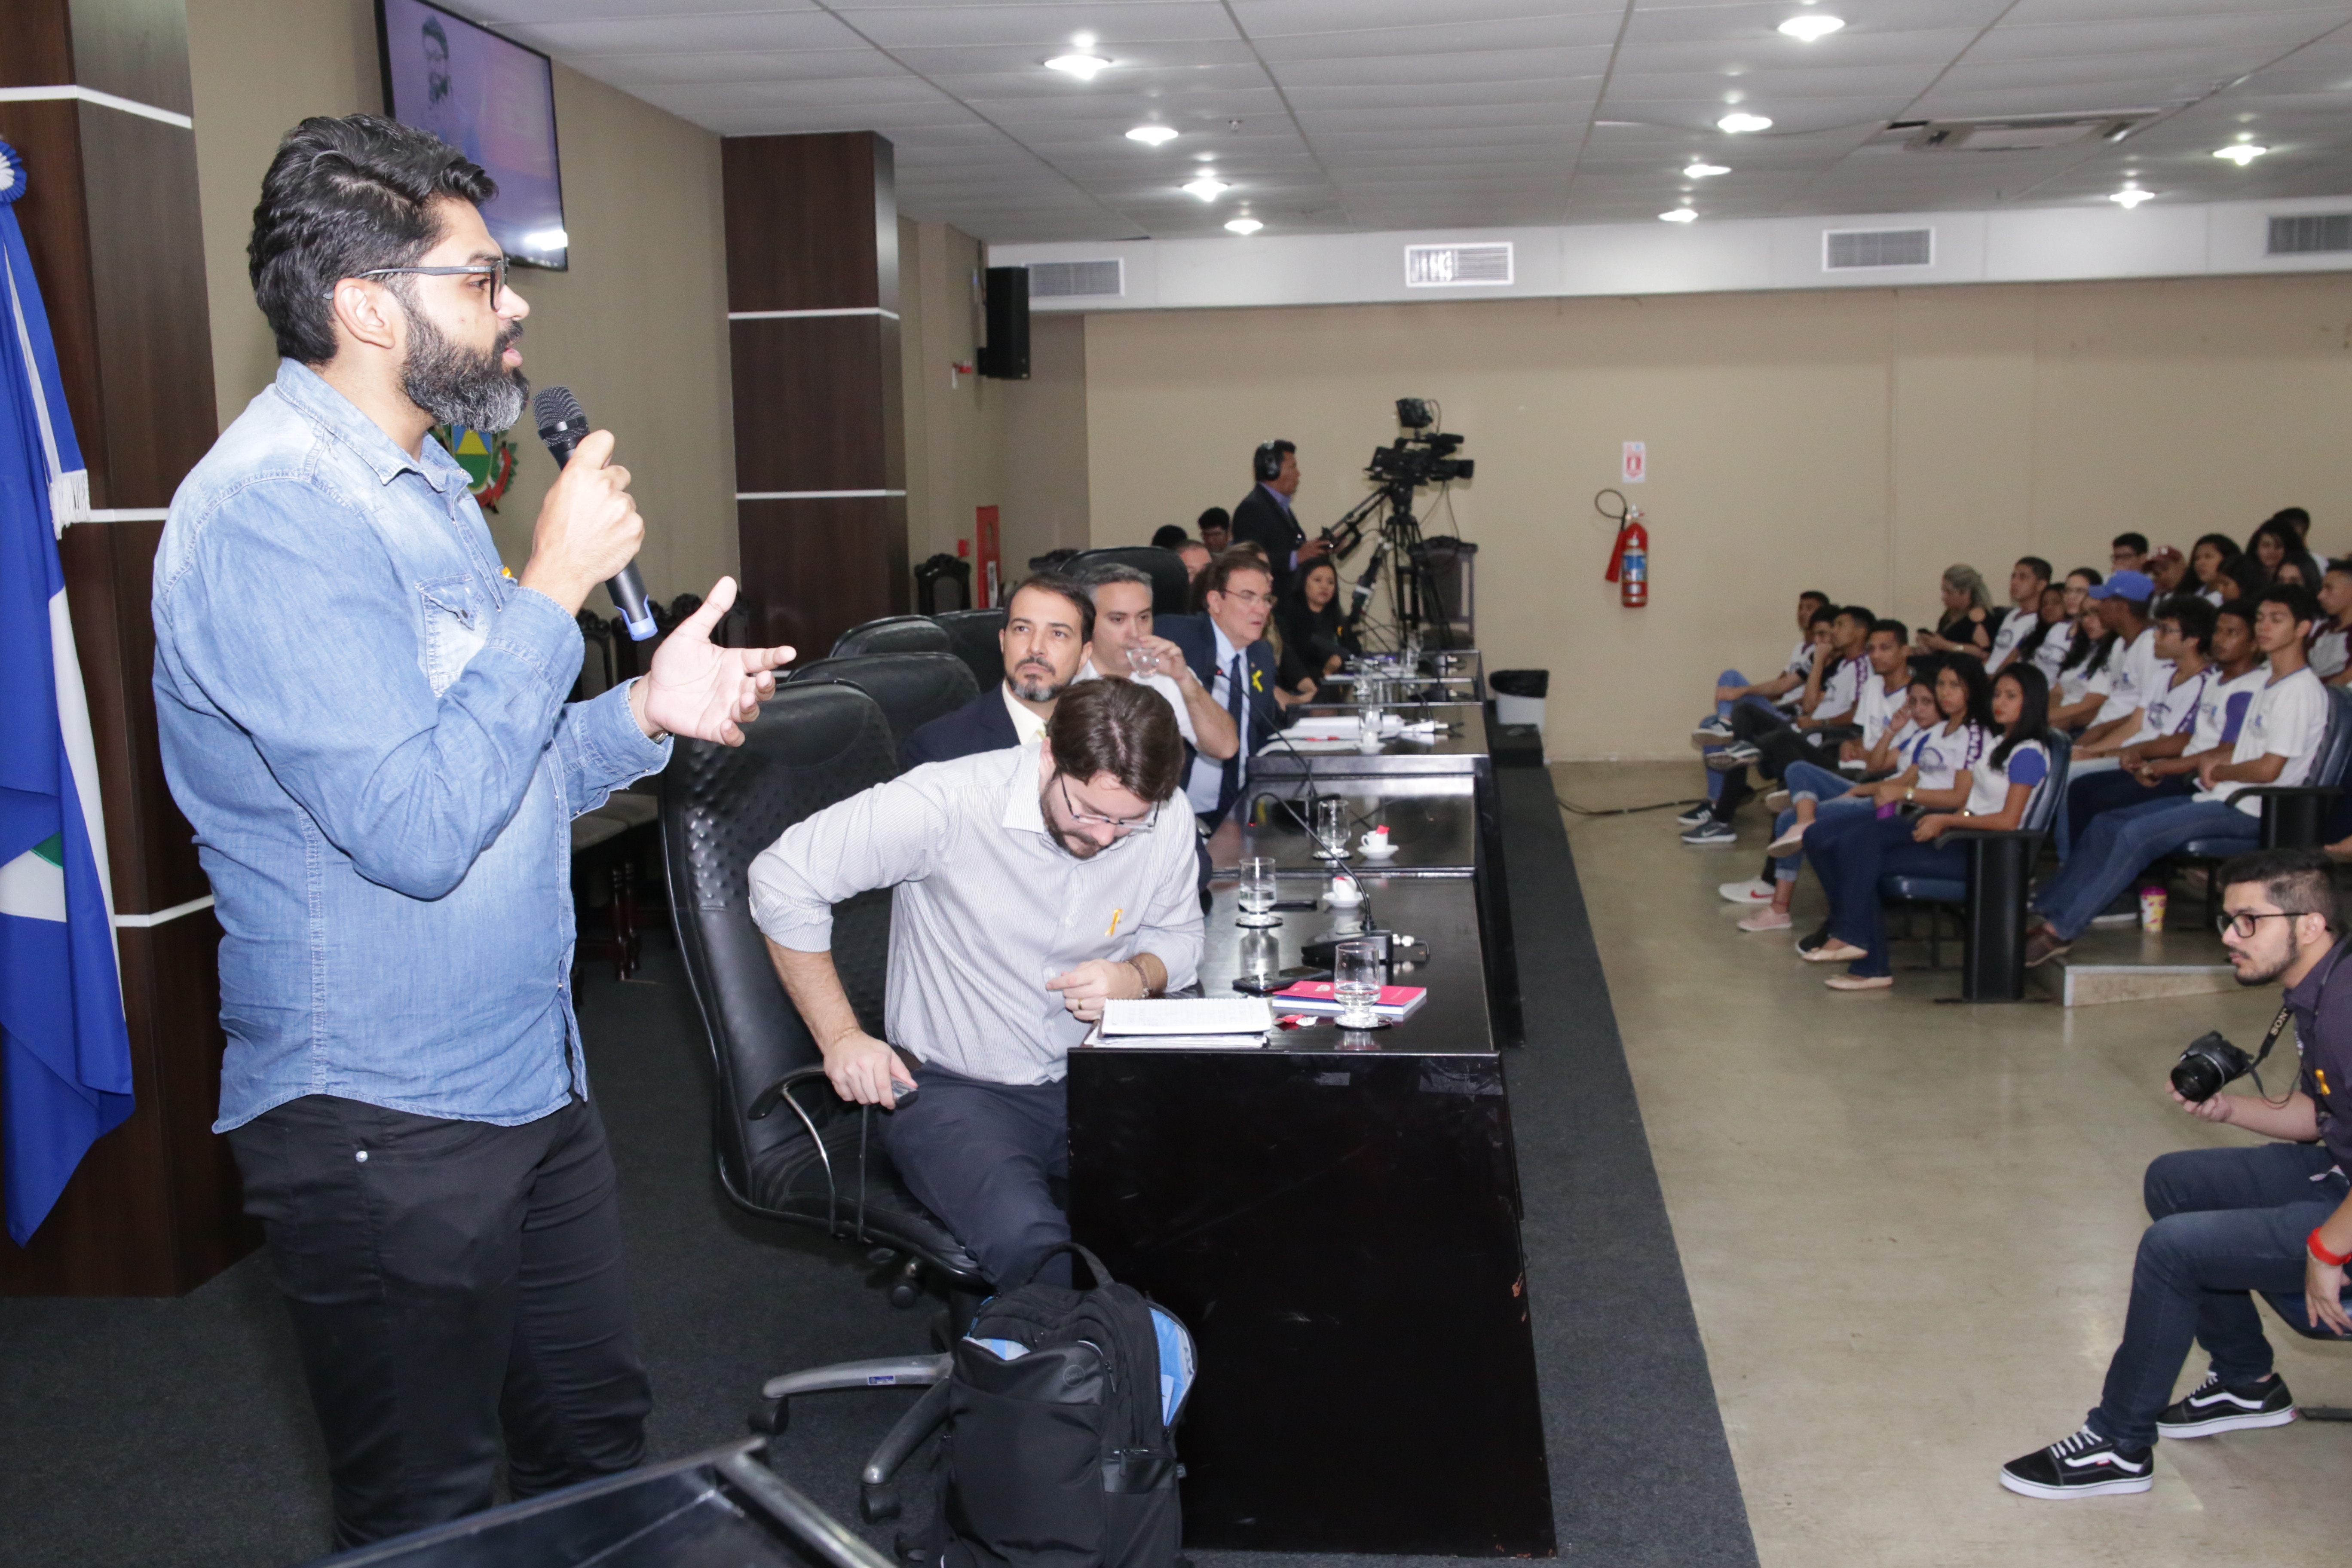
(1266, 464)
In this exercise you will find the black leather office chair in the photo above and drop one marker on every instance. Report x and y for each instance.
(1172, 586)
(943, 585)
(893, 633)
(1991, 899)
(973, 634)
(820, 1163)
(913, 688)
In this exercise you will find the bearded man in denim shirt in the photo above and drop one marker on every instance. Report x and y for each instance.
(364, 719)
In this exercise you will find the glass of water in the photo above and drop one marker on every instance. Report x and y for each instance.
(1258, 893)
(1360, 967)
(1143, 660)
(1331, 828)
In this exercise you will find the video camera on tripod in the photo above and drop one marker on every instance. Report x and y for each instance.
(1405, 464)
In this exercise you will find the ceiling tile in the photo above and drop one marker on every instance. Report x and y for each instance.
(1047, 27)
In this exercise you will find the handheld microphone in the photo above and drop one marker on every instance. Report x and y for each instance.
(563, 425)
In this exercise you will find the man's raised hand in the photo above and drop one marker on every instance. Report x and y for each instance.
(700, 690)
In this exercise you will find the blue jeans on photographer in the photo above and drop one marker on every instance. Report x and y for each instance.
(2228, 1223)
(1826, 790)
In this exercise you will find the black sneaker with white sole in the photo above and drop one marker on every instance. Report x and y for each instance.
(1697, 815)
(1712, 834)
(2217, 1406)
(1812, 940)
(2084, 1465)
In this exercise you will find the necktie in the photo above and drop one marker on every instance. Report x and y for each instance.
(1236, 704)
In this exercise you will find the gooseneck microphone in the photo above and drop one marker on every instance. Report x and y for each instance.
(563, 425)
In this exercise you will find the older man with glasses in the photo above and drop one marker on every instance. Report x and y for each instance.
(1226, 648)
(1029, 886)
(2275, 1218)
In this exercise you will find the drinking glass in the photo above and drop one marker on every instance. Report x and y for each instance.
(1331, 828)
(1141, 660)
(1258, 893)
(1358, 968)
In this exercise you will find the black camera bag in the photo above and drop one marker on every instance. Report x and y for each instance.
(1057, 1456)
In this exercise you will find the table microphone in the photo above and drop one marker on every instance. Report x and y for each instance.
(563, 425)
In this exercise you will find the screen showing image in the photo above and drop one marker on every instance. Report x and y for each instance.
(493, 99)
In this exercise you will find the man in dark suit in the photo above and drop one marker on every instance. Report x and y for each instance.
(1264, 518)
(1226, 649)
(1047, 624)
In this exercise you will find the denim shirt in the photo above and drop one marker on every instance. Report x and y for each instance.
(365, 722)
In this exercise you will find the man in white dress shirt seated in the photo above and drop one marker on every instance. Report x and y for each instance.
(1124, 649)
(1030, 885)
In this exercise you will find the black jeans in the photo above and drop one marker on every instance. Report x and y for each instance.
(2229, 1222)
(984, 1157)
(1780, 744)
(449, 1282)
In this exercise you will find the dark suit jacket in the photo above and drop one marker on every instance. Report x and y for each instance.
(1260, 520)
(980, 725)
(1198, 637)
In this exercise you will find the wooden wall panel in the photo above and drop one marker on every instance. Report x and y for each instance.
(813, 226)
(111, 220)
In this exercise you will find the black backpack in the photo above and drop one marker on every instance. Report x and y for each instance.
(1057, 1452)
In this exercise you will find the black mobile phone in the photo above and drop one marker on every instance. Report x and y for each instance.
(1305, 972)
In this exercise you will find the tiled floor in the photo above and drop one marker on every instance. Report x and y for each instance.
(1908, 1229)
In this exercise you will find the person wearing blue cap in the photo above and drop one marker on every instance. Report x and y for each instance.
(2124, 601)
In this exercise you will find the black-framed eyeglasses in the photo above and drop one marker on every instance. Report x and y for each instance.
(1121, 828)
(496, 272)
(2243, 925)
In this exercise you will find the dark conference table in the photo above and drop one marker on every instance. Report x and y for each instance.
(1336, 1219)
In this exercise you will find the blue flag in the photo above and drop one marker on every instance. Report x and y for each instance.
(65, 1056)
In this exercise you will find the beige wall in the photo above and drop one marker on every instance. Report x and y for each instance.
(955, 422)
(637, 326)
(1046, 462)
(1855, 441)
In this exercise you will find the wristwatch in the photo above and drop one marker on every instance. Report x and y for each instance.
(1911, 793)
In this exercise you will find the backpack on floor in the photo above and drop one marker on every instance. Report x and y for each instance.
(1057, 1451)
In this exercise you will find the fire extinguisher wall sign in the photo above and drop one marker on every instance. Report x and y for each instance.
(1629, 561)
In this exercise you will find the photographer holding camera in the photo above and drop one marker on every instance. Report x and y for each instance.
(2231, 1221)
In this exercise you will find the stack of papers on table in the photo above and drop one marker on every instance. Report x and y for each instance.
(1190, 1022)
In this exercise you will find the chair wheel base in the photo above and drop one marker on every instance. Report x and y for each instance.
(770, 1416)
(909, 1548)
(905, 1293)
(875, 1505)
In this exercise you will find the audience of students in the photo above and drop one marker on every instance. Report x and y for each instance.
(1771, 741)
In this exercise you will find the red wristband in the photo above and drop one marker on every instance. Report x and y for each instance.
(2319, 1250)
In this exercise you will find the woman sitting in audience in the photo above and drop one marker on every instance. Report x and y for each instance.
(2086, 677)
(2046, 646)
(1815, 792)
(2210, 563)
(2274, 544)
(1966, 625)
(1312, 627)
(1992, 794)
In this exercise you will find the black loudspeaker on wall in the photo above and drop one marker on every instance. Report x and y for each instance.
(1005, 355)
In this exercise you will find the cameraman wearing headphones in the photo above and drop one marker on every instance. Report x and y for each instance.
(2230, 1222)
(1262, 517)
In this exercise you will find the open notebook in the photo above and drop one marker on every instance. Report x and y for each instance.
(1198, 1023)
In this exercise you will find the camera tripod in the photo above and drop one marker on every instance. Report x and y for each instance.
(1417, 610)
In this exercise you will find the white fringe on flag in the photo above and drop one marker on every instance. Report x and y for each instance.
(70, 500)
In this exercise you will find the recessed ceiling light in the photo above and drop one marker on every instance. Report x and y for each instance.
(1743, 121)
(1706, 171)
(1154, 134)
(2239, 152)
(1207, 189)
(1680, 215)
(2129, 199)
(1813, 25)
(1082, 67)
(1083, 40)
(1244, 226)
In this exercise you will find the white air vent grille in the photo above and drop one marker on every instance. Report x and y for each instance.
(2015, 133)
(1846, 247)
(1077, 279)
(1456, 266)
(2308, 233)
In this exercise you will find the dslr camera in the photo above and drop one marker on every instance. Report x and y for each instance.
(2210, 1062)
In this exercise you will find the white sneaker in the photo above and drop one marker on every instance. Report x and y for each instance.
(1755, 890)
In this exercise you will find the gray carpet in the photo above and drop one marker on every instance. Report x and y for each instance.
(178, 1433)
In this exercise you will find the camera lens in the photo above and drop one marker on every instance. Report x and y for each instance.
(2197, 1078)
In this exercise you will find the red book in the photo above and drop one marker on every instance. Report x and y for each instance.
(1395, 1002)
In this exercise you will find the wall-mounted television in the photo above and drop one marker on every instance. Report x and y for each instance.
(492, 99)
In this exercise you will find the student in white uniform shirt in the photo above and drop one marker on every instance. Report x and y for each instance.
(2276, 745)
(2088, 674)
(2330, 656)
(2028, 581)
(2124, 601)
(2043, 641)
(1856, 851)
(2215, 658)
(1772, 743)
(2210, 561)
(1124, 649)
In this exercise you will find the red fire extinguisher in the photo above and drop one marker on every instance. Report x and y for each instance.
(1629, 563)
